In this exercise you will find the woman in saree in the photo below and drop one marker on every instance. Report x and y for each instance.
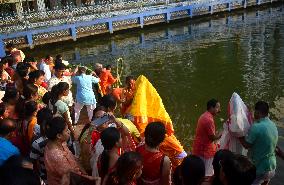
(37, 78)
(85, 140)
(58, 159)
(128, 143)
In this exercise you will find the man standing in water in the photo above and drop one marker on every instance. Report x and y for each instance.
(261, 140)
(205, 135)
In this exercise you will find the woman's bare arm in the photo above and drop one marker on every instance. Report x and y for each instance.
(166, 172)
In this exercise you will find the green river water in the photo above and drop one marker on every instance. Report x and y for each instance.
(191, 61)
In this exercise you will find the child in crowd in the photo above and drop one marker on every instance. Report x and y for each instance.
(37, 149)
(37, 78)
(111, 141)
(30, 128)
(4, 113)
(58, 106)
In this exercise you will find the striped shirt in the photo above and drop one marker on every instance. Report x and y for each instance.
(37, 154)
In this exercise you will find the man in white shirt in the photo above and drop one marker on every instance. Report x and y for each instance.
(45, 66)
(59, 77)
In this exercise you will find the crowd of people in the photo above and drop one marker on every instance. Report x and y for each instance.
(40, 142)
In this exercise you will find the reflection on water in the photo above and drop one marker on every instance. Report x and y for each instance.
(192, 61)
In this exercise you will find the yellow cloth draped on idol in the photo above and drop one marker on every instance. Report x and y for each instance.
(147, 107)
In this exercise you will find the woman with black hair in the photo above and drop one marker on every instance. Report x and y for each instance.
(190, 172)
(11, 98)
(58, 106)
(37, 78)
(59, 77)
(37, 149)
(58, 159)
(10, 61)
(111, 141)
(128, 169)
(85, 139)
(21, 76)
(156, 165)
(3, 111)
(30, 128)
(237, 170)
(5, 77)
(127, 143)
(60, 163)
(220, 155)
(30, 93)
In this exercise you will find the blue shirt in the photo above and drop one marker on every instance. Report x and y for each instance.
(263, 136)
(7, 150)
(85, 94)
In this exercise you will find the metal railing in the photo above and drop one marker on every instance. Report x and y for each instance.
(68, 12)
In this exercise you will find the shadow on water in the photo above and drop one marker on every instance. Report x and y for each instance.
(191, 61)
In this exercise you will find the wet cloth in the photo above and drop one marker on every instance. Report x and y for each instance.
(263, 136)
(7, 149)
(147, 107)
(237, 125)
(202, 145)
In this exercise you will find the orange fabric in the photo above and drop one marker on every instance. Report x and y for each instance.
(202, 145)
(172, 147)
(147, 107)
(117, 93)
(106, 80)
(124, 97)
(31, 128)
